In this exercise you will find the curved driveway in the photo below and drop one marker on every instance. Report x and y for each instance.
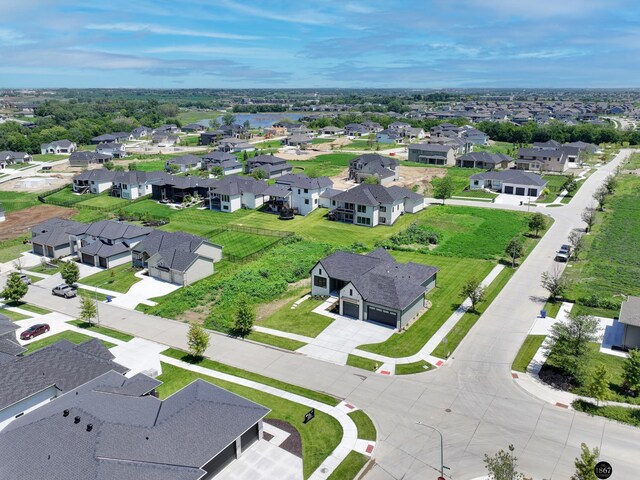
(472, 400)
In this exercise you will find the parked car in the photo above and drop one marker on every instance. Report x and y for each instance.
(25, 279)
(563, 254)
(64, 290)
(34, 331)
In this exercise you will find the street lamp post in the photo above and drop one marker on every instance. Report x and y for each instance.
(441, 447)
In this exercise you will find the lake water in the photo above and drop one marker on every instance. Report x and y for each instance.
(258, 120)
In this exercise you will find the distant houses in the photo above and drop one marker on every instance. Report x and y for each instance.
(271, 165)
(58, 147)
(486, 160)
(429, 154)
(13, 158)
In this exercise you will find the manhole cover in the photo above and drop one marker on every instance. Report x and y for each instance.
(448, 410)
(324, 470)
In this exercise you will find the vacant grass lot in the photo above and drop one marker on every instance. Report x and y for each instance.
(528, 349)
(49, 157)
(460, 177)
(300, 320)
(328, 165)
(242, 244)
(13, 201)
(633, 163)
(319, 438)
(119, 279)
(11, 249)
(73, 337)
(610, 266)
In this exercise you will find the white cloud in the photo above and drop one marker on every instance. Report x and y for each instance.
(160, 30)
(251, 52)
(295, 15)
(10, 37)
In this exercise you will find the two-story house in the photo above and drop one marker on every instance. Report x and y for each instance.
(304, 191)
(113, 149)
(442, 155)
(385, 169)
(232, 193)
(271, 165)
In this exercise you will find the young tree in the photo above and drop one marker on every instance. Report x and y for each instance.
(600, 196)
(576, 239)
(474, 291)
(514, 249)
(589, 217)
(133, 166)
(443, 189)
(554, 283)
(214, 124)
(610, 183)
(631, 372)
(245, 316)
(570, 185)
(246, 124)
(228, 118)
(503, 465)
(568, 344)
(259, 174)
(197, 339)
(70, 272)
(598, 384)
(537, 222)
(245, 156)
(88, 309)
(371, 180)
(586, 463)
(15, 288)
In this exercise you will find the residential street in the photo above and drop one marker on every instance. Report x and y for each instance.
(472, 399)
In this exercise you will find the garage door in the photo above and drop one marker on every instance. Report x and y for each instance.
(533, 192)
(350, 309)
(520, 191)
(103, 262)
(221, 460)
(88, 259)
(38, 249)
(508, 190)
(383, 316)
(249, 437)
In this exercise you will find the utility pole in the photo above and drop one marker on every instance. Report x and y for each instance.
(442, 467)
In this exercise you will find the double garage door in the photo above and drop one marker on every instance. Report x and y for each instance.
(381, 315)
(521, 191)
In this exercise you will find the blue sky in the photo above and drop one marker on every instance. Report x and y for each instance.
(347, 43)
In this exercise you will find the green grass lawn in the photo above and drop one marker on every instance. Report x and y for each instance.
(90, 293)
(119, 279)
(193, 116)
(445, 298)
(29, 308)
(256, 377)
(554, 184)
(367, 145)
(469, 319)
(11, 249)
(73, 337)
(552, 308)
(460, 177)
(528, 349)
(103, 201)
(280, 342)
(65, 196)
(240, 244)
(268, 144)
(630, 416)
(477, 194)
(15, 316)
(319, 141)
(330, 164)
(45, 269)
(633, 163)
(319, 438)
(125, 337)
(300, 320)
(595, 311)
(498, 147)
(49, 157)
(414, 367)
(350, 466)
(366, 428)
(608, 266)
(14, 201)
(363, 363)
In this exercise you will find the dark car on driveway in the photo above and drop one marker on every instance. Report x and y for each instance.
(64, 290)
(34, 331)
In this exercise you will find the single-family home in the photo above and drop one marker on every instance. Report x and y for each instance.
(107, 243)
(630, 319)
(486, 160)
(52, 238)
(122, 136)
(304, 192)
(413, 134)
(29, 382)
(93, 181)
(233, 192)
(184, 163)
(355, 130)
(443, 155)
(114, 149)
(105, 138)
(513, 182)
(227, 162)
(58, 147)
(232, 144)
(208, 138)
(543, 159)
(171, 128)
(85, 159)
(389, 136)
(133, 185)
(12, 158)
(473, 135)
(176, 257)
(271, 165)
(10, 348)
(374, 287)
(194, 127)
(117, 427)
(385, 169)
(372, 127)
(585, 147)
(168, 188)
(331, 131)
(372, 205)
(297, 140)
(141, 131)
(164, 139)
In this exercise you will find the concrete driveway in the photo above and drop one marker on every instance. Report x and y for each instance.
(139, 355)
(142, 291)
(339, 339)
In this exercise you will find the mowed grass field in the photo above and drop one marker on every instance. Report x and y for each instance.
(610, 264)
(13, 201)
(328, 165)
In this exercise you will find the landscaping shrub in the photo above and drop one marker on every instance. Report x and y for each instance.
(597, 301)
(413, 235)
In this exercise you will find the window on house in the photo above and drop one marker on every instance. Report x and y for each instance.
(383, 220)
(333, 202)
(383, 209)
(320, 271)
(351, 292)
(306, 201)
(298, 191)
(315, 201)
(320, 282)
(363, 220)
(362, 209)
(306, 190)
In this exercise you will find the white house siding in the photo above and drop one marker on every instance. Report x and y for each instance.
(115, 260)
(386, 181)
(252, 201)
(324, 202)
(210, 251)
(318, 271)
(231, 171)
(349, 292)
(298, 200)
(413, 206)
(631, 336)
(97, 187)
(36, 400)
(198, 270)
(411, 311)
(61, 251)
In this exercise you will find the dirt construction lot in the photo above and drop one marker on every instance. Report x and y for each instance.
(409, 177)
(19, 223)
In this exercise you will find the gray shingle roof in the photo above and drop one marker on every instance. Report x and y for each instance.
(97, 175)
(376, 159)
(185, 160)
(103, 249)
(159, 240)
(486, 157)
(630, 311)
(175, 259)
(428, 147)
(112, 230)
(62, 364)
(365, 194)
(512, 176)
(300, 180)
(133, 437)
(235, 185)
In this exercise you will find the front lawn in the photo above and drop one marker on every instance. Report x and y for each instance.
(49, 157)
(328, 165)
(274, 340)
(300, 320)
(363, 363)
(319, 437)
(119, 279)
(125, 337)
(29, 308)
(15, 316)
(415, 367)
(46, 268)
(527, 351)
(73, 337)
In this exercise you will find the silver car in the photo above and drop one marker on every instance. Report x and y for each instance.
(64, 290)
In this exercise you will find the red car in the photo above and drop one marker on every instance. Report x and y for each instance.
(34, 331)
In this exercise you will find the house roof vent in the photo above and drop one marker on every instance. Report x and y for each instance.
(76, 420)
(89, 427)
(65, 413)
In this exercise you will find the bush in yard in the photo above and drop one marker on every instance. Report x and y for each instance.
(596, 301)
(70, 272)
(610, 183)
(15, 288)
(197, 339)
(245, 317)
(631, 372)
(598, 385)
(570, 184)
(371, 180)
(568, 342)
(415, 234)
(537, 222)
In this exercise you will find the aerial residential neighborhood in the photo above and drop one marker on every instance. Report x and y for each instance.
(324, 241)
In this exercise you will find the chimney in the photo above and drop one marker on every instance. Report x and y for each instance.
(76, 420)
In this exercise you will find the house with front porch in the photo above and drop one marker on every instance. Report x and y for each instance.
(58, 147)
(232, 145)
(374, 287)
(442, 155)
(512, 182)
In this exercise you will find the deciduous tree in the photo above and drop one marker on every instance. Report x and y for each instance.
(474, 291)
(197, 339)
(610, 183)
(443, 188)
(554, 283)
(514, 249)
(245, 317)
(88, 310)
(503, 465)
(70, 272)
(576, 239)
(631, 372)
(537, 222)
(228, 118)
(586, 463)
(589, 217)
(15, 288)
(598, 384)
(600, 196)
